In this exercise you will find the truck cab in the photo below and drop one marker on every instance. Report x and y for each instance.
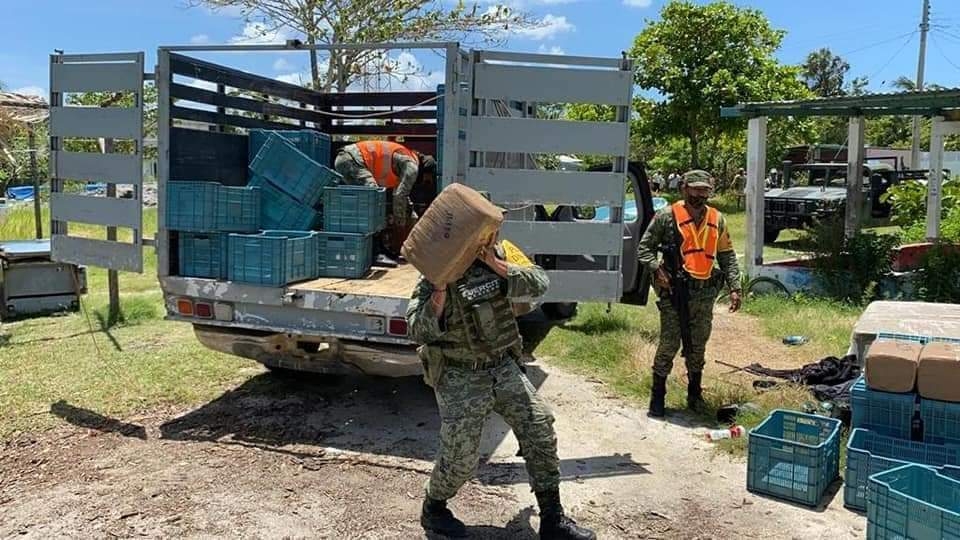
(481, 123)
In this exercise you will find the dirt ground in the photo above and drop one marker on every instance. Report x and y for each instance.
(347, 458)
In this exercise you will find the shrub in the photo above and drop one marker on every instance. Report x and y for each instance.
(939, 277)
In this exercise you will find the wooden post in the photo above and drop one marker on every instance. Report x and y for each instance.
(855, 153)
(32, 143)
(113, 278)
(756, 167)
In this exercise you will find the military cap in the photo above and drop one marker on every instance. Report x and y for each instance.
(698, 178)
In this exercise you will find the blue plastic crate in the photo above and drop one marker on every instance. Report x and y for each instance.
(354, 209)
(915, 338)
(347, 255)
(314, 144)
(289, 169)
(886, 413)
(869, 453)
(274, 258)
(915, 502)
(794, 456)
(203, 255)
(941, 421)
(209, 207)
(280, 211)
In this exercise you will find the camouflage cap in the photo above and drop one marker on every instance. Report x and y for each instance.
(698, 178)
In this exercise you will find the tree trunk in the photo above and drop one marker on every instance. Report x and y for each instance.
(694, 149)
(314, 68)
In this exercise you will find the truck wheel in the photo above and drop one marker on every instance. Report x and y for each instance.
(560, 311)
(770, 235)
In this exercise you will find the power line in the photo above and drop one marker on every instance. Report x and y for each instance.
(894, 56)
(865, 47)
(943, 54)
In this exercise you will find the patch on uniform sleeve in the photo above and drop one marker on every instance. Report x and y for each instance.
(514, 255)
(723, 243)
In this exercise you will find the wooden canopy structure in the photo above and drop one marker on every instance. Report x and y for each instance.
(943, 106)
(21, 109)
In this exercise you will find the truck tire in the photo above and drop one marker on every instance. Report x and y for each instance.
(770, 235)
(559, 311)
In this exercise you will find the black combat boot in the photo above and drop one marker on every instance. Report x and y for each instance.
(695, 400)
(554, 525)
(657, 395)
(437, 518)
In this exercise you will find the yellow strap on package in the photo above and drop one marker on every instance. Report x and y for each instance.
(514, 255)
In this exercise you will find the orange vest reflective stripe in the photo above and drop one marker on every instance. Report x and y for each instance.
(699, 247)
(378, 157)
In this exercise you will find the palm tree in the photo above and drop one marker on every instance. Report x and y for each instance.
(906, 84)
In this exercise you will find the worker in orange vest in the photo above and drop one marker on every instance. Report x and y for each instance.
(696, 236)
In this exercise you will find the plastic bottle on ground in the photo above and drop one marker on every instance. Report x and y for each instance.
(730, 433)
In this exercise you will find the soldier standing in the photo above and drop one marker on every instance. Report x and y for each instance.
(700, 233)
(470, 351)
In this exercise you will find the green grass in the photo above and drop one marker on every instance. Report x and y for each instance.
(826, 323)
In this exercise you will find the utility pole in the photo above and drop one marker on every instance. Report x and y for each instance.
(924, 27)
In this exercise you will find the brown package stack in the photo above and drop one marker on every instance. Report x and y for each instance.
(892, 365)
(938, 375)
(448, 236)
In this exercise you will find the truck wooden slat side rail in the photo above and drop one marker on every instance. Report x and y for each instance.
(491, 137)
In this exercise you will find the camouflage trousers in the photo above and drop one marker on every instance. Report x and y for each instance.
(701, 323)
(354, 173)
(466, 398)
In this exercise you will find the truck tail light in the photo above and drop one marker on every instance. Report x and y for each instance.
(203, 310)
(185, 307)
(397, 327)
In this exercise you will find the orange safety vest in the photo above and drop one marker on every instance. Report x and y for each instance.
(378, 157)
(699, 247)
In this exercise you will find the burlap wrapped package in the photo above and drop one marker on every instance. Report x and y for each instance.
(938, 375)
(450, 233)
(892, 365)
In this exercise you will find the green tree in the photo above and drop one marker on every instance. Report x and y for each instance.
(701, 57)
(329, 22)
(824, 73)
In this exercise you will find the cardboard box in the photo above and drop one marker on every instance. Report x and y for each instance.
(892, 365)
(938, 374)
(449, 235)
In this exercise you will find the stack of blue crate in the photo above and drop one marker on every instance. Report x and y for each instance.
(352, 215)
(892, 430)
(203, 214)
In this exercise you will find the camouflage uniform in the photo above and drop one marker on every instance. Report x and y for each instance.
(470, 354)
(349, 163)
(703, 294)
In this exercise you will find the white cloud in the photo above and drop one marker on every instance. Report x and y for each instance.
(32, 91)
(637, 3)
(281, 64)
(543, 49)
(550, 27)
(200, 39)
(259, 33)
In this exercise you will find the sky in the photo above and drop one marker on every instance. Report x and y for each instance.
(879, 38)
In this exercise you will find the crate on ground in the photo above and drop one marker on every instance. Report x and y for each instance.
(347, 255)
(209, 206)
(281, 211)
(915, 502)
(202, 255)
(289, 169)
(274, 258)
(941, 421)
(794, 456)
(869, 453)
(354, 209)
(886, 413)
(314, 144)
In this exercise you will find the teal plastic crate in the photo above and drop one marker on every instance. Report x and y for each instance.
(202, 255)
(354, 209)
(886, 413)
(289, 169)
(212, 207)
(869, 453)
(280, 211)
(274, 258)
(347, 255)
(794, 456)
(941, 421)
(314, 144)
(913, 501)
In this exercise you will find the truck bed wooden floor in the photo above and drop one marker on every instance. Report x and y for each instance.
(385, 282)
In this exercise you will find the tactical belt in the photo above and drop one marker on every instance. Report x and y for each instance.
(478, 363)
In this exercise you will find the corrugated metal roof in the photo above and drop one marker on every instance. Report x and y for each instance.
(925, 103)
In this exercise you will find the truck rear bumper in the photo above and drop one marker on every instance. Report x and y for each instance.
(312, 353)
